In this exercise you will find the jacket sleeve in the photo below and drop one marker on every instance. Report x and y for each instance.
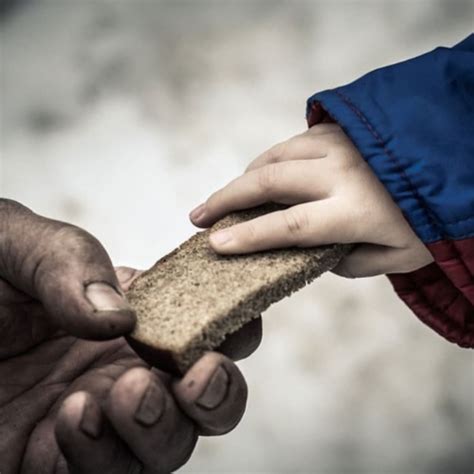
(413, 122)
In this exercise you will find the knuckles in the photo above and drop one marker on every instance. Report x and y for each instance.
(268, 177)
(296, 221)
(68, 241)
(9, 206)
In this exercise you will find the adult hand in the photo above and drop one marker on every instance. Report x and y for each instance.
(71, 405)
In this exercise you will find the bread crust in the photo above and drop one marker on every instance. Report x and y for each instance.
(192, 298)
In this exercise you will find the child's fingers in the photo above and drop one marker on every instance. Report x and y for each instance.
(304, 225)
(300, 147)
(285, 183)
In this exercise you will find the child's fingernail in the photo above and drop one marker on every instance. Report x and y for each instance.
(198, 213)
(221, 237)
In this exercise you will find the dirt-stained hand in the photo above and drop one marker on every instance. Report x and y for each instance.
(74, 397)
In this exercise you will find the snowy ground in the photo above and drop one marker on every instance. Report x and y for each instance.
(120, 116)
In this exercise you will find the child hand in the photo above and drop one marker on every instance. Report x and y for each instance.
(333, 197)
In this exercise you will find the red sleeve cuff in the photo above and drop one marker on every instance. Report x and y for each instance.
(440, 294)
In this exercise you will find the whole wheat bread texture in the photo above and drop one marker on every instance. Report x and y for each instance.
(192, 298)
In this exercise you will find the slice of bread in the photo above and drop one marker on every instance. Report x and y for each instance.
(192, 298)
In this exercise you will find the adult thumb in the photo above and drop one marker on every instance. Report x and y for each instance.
(66, 269)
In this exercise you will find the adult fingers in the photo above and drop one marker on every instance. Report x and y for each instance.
(213, 393)
(304, 225)
(87, 442)
(236, 346)
(147, 419)
(271, 183)
(243, 342)
(67, 269)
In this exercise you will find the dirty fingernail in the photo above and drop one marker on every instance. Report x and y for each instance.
(216, 390)
(105, 298)
(91, 420)
(151, 406)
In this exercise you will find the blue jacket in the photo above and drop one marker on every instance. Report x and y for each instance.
(414, 124)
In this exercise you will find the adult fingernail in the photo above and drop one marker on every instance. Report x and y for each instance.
(151, 407)
(105, 298)
(91, 420)
(197, 214)
(221, 237)
(216, 390)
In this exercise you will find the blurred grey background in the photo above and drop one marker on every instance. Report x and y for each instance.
(121, 116)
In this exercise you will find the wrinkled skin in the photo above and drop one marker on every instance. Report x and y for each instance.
(70, 405)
